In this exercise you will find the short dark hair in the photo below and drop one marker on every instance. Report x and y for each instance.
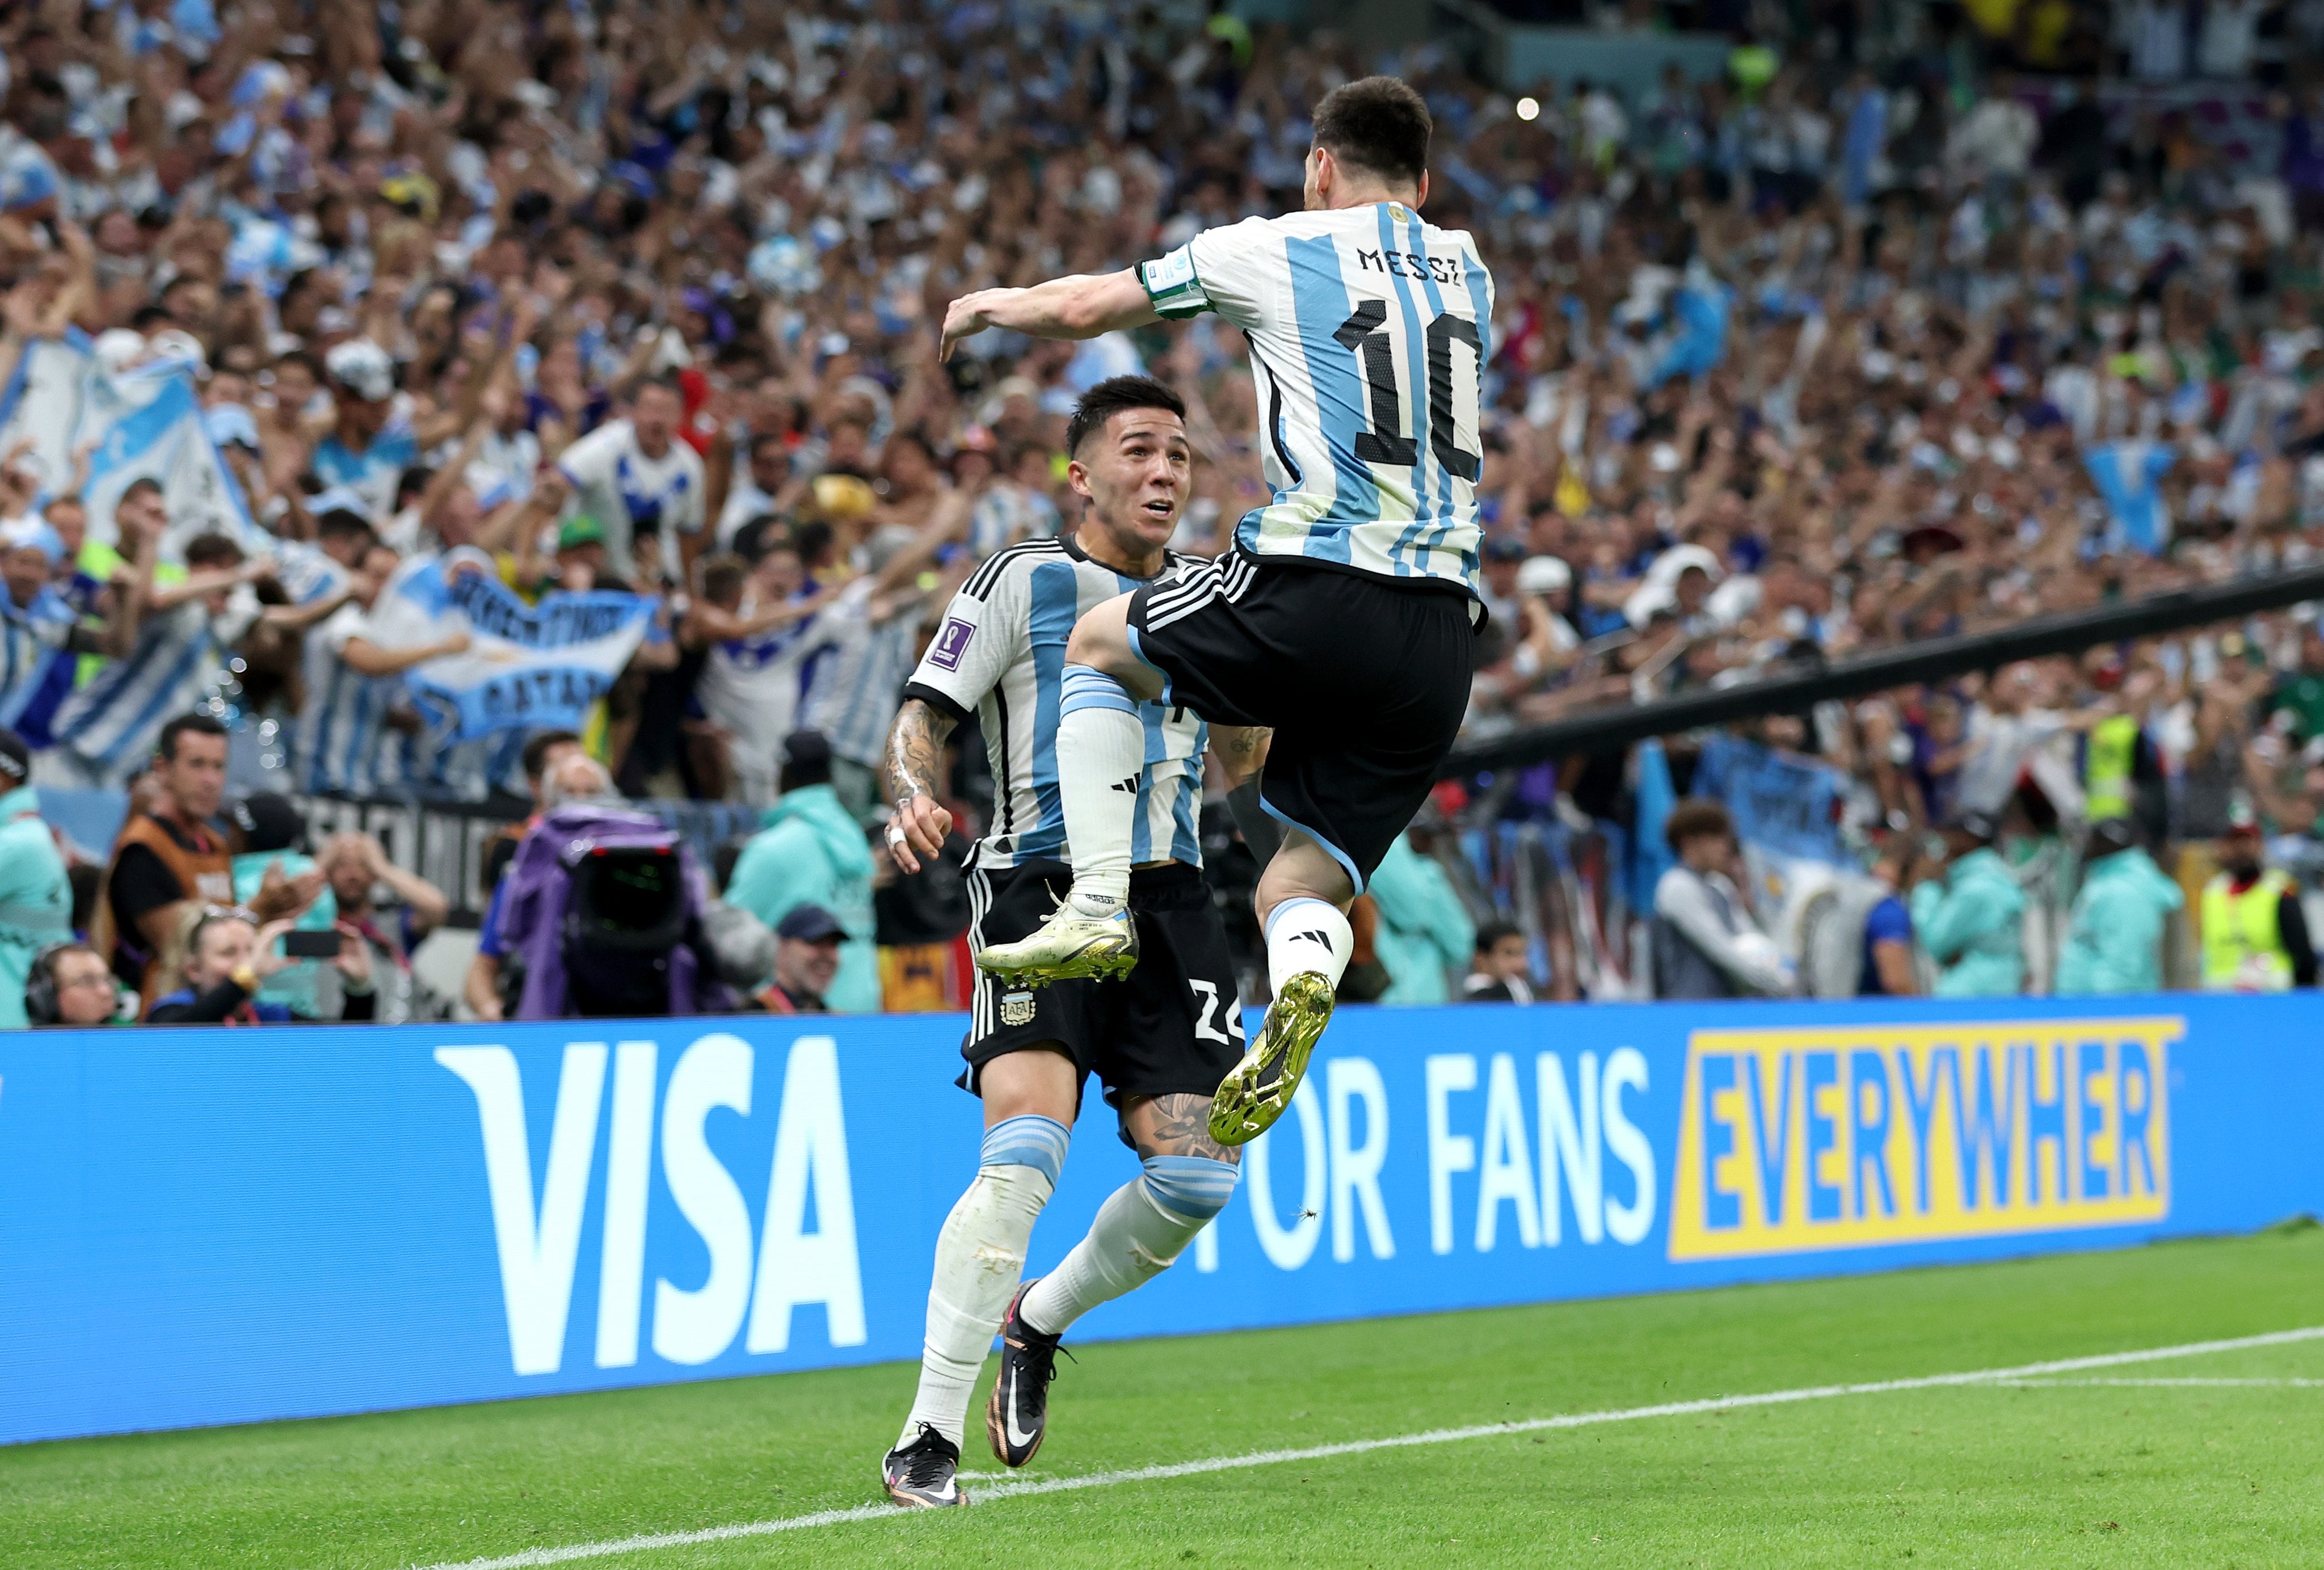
(806, 760)
(1117, 395)
(165, 746)
(536, 749)
(343, 523)
(1696, 817)
(1493, 932)
(761, 534)
(811, 538)
(1378, 123)
(212, 549)
(141, 484)
(723, 574)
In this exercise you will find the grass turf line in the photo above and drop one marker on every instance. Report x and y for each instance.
(2111, 1475)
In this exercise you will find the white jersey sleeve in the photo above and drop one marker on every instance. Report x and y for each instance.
(982, 635)
(1237, 271)
(592, 460)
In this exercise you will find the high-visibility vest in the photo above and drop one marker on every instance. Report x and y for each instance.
(2243, 944)
(2107, 768)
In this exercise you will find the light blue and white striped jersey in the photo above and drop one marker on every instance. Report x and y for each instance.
(851, 695)
(110, 725)
(1369, 332)
(372, 474)
(30, 638)
(339, 741)
(306, 572)
(1001, 655)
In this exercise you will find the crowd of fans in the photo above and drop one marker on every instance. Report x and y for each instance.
(1861, 339)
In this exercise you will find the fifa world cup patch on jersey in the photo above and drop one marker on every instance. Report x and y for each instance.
(951, 643)
(1017, 1008)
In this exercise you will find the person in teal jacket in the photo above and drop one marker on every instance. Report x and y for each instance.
(1423, 931)
(809, 850)
(2114, 940)
(1971, 921)
(271, 834)
(35, 896)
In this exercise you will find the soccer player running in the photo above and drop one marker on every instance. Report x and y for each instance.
(1157, 1044)
(1342, 616)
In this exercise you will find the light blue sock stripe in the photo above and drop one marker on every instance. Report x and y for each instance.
(1138, 647)
(1192, 1187)
(1030, 1140)
(1087, 687)
(1280, 911)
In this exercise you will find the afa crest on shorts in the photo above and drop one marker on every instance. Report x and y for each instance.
(1017, 1008)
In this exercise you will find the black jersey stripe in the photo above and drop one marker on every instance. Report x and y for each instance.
(981, 581)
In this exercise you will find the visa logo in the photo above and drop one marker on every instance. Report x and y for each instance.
(1797, 1139)
(752, 1285)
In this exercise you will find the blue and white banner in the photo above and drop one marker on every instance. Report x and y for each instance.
(526, 667)
(1783, 804)
(144, 422)
(204, 1227)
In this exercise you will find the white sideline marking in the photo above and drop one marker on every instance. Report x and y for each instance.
(1024, 1487)
(2284, 1385)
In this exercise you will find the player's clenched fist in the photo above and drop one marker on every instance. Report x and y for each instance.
(918, 826)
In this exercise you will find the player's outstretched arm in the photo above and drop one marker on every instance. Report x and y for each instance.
(1081, 307)
(915, 745)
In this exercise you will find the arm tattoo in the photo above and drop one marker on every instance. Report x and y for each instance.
(914, 748)
(1240, 742)
(1179, 1125)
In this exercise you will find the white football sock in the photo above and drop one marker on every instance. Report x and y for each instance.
(980, 1255)
(1305, 933)
(1139, 1229)
(1101, 754)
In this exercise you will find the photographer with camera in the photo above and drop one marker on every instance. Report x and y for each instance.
(224, 956)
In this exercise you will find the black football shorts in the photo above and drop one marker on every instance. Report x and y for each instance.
(1172, 1026)
(1364, 683)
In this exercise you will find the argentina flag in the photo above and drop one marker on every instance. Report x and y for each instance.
(141, 422)
(2128, 475)
(526, 667)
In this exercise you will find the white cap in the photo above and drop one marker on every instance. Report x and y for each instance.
(118, 348)
(1544, 575)
(363, 368)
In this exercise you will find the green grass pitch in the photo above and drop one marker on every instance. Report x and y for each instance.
(2071, 1472)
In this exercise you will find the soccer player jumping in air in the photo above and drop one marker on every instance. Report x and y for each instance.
(1343, 614)
(1157, 1044)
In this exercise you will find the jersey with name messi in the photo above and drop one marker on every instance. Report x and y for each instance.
(1369, 336)
(1001, 656)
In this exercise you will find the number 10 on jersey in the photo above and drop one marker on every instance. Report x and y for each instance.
(1365, 335)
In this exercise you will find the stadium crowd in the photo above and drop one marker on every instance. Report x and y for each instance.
(1861, 339)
